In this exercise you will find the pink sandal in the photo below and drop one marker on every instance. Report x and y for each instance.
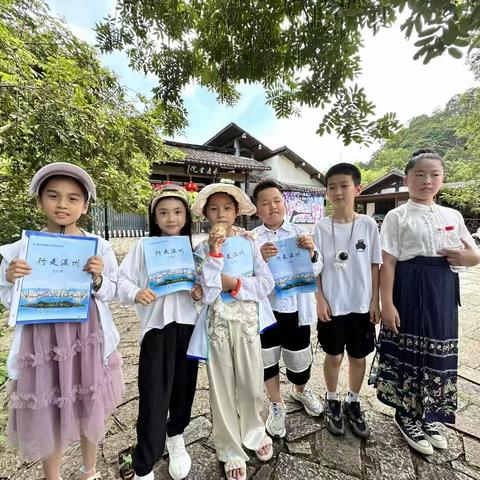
(267, 441)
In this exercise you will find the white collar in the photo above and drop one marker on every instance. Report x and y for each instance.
(420, 206)
(287, 226)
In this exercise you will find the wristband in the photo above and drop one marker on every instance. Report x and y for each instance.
(235, 291)
(215, 255)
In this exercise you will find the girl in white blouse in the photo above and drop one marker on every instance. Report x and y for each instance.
(423, 244)
(166, 377)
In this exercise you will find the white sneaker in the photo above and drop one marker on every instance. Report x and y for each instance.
(310, 401)
(148, 476)
(179, 459)
(276, 420)
(434, 436)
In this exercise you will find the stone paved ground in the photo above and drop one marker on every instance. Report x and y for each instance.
(308, 451)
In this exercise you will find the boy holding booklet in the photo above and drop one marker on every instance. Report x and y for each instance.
(290, 337)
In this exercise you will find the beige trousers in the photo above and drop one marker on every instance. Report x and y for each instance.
(235, 374)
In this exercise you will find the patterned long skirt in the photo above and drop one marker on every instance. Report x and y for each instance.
(417, 370)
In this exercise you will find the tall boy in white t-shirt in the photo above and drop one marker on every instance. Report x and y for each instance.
(348, 297)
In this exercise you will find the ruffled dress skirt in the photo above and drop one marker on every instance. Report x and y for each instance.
(65, 389)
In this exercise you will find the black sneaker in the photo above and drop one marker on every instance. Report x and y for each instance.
(354, 415)
(413, 434)
(334, 417)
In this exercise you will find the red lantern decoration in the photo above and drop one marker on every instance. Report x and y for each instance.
(191, 187)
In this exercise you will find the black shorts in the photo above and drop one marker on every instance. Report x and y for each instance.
(353, 332)
(290, 341)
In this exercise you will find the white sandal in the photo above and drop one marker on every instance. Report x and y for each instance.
(267, 441)
(94, 476)
(233, 465)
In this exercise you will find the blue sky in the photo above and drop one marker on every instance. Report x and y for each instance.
(392, 80)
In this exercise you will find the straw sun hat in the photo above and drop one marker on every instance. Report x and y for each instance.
(245, 206)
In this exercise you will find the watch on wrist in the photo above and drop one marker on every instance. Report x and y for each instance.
(315, 256)
(97, 283)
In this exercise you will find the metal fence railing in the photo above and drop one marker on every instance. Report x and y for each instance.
(472, 224)
(108, 223)
(111, 224)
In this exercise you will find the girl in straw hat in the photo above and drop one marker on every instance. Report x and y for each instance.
(234, 363)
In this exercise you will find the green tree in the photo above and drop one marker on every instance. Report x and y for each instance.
(369, 175)
(463, 164)
(301, 52)
(389, 158)
(57, 103)
(454, 133)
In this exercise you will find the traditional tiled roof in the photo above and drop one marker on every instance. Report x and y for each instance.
(227, 135)
(456, 185)
(205, 155)
(298, 187)
(394, 173)
(297, 160)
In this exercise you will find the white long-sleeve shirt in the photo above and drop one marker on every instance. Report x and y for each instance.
(176, 307)
(106, 293)
(255, 288)
(304, 303)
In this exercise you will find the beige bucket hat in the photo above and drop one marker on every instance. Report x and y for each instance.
(245, 206)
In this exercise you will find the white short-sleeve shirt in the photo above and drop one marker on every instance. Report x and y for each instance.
(349, 290)
(413, 230)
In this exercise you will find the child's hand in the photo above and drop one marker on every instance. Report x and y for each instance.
(390, 318)
(17, 269)
(196, 292)
(228, 282)
(461, 257)
(145, 297)
(374, 312)
(324, 313)
(216, 238)
(306, 241)
(268, 250)
(94, 266)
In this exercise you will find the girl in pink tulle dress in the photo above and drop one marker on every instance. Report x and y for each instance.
(66, 378)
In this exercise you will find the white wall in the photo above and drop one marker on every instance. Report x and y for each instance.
(284, 170)
(370, 209)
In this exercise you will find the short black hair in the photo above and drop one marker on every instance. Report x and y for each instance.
(264, 185)
(155, 231)
(234, 200)
(422, 154)
(42, 186)
(344, 169)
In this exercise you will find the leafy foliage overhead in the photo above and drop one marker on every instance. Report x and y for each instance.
(301, 52)
(58, 103)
